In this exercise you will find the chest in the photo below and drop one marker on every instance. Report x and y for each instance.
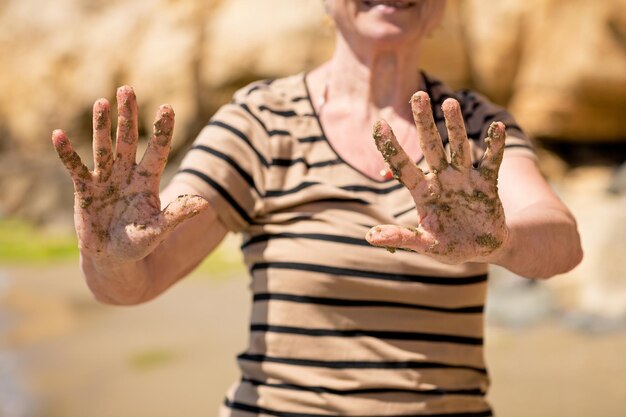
(354, 144)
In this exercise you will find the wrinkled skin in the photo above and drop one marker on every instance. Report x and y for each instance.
(117, 210)
(460, 215)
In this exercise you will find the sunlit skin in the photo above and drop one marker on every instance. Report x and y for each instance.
(135, 244)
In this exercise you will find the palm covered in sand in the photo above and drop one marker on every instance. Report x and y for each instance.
(459, 212)
(117, 211)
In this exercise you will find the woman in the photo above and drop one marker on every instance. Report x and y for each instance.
(339, 326)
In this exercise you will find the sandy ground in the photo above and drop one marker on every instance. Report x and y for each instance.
(62, 354)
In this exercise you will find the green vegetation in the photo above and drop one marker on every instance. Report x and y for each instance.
(224, 262)
(150, 359)
(22, 243)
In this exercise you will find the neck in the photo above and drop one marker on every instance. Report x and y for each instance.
(382, 79)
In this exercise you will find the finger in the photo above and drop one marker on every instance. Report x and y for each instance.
(102, 147)
(182, 208)
(155, 158)
(78, 171)
(405, 237)
(127, 134)
(430, 141)
(403, 167)
(457, 136)
(490, 163)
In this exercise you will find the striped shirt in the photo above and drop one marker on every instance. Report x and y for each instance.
(339, 327)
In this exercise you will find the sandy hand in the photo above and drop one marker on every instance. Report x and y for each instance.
(117, 210)
(460, 215)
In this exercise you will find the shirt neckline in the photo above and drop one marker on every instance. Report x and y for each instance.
(325, 137)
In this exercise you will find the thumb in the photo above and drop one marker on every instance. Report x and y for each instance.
(405, 237)
(182, 208)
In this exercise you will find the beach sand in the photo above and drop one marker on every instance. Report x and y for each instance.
(64, 355)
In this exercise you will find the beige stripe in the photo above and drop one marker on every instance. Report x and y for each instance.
(364, 404)
(322, 285)
(367, 258)
(345, 379)
(363, 349)
(312, 316)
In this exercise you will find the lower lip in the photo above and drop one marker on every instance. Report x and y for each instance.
(386, 8)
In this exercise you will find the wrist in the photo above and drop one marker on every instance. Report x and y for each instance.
(114, 281)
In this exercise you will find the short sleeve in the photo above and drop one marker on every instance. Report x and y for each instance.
(479, 113)
(227, 165)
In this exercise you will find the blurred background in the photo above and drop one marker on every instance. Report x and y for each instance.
(554, 348)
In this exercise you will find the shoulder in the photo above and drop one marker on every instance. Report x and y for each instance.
(479, 112)
(271, 103)
(274, 93)
(470, 100)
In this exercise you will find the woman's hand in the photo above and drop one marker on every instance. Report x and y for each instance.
(117, 212)
(460, 215)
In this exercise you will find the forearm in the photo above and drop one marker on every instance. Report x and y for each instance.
(121, 282)
(115, 281)
(543, 242)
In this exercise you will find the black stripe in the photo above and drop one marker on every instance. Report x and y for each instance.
(476, 279)
(269, 132)
(379, 334)
(221, 191)
(518, 145)
(241, 136)
(291, 162)
(262, 410)
(514, 127)
(403, 212)
(362, 188)
(342, 302)
(298, 218)
(299, 98)
(488, 117)
(469, 112)
(251, 90)
(324, 390)
(430, 83)
(310, 139)
(258, 85)
(247, 177)
(299, 187)
(287, 162)
(340, 200)
(351, 188)
(313, 236)
(284, 113)
(359, 364)
(322, 164)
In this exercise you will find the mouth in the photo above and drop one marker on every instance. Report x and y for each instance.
(396, 4)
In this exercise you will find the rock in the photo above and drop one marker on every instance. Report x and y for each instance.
(253, 40)
(493, 34)
(444, 52)
(571, 82)
(90, 49)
